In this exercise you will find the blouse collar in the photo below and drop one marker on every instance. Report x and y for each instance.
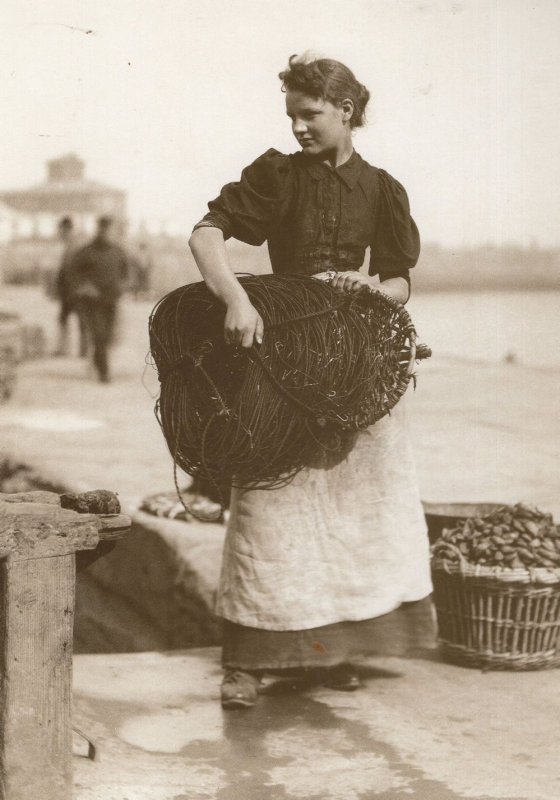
(349, 172)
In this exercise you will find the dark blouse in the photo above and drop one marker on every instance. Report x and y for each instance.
(316, 218)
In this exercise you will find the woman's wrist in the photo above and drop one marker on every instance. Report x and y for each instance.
(397, 288)
(234, 295)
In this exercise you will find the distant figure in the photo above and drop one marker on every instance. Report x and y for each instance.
(141, 268)
(62, 291)
(98, 273)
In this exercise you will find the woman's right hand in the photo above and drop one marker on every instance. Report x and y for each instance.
(243, 324)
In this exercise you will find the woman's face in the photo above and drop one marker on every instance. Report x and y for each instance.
(319, 126)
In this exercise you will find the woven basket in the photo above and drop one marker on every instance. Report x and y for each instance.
(497, 618)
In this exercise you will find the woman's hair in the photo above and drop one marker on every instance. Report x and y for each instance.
(328, 79)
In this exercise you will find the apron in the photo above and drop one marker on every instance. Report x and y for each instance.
(346, 540)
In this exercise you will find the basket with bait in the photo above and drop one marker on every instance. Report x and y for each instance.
(497, 590)
(329, 364)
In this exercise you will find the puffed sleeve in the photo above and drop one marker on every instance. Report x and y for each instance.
(251, 208)
(396, 243)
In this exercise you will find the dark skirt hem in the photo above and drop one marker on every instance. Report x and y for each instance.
(403, 632)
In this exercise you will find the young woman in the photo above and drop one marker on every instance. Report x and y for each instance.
(308, 568)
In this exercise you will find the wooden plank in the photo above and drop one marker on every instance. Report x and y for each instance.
(38, 496)
(113, 526)
(36, 617)
(459, 509)
(39, 505)
(48, 510)
(41, 530)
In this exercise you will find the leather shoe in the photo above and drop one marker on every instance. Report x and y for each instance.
(239, 689)
(343, 678)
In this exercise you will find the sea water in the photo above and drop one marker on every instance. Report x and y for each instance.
(518, 326)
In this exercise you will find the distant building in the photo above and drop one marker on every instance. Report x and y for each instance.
(34, 213)
(11, 220)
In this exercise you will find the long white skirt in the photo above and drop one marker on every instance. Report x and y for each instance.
(343, 541)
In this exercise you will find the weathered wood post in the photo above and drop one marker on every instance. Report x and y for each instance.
(38, 543)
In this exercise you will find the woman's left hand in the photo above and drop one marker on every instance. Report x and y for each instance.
(350, 282)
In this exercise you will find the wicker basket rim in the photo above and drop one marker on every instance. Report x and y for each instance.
(543, 575)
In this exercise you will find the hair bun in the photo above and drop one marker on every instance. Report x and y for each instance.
(363, 97)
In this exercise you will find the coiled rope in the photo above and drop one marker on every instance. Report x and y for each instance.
(329, 363)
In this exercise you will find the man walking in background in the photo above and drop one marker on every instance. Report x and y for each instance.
(98, 273)
(62, 291)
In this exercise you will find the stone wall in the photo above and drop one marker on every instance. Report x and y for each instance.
(154, 591)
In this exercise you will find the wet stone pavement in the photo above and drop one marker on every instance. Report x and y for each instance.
(419, 729)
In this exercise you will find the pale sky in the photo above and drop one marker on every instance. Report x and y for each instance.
(170, 99)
